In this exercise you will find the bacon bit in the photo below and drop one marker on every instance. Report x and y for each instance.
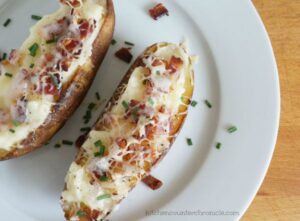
(174, 64)
(72, 3)
(158, 11)
(133, 103)
(122, 143)
(14, 57)
(124, 54)
(95, 214)
(137, 135)
(128, 157)
(47, 85)
(65, 64)
(147, 166)
(70, 44)
(162, 109)
(80, 140)
(150, 131)
(84, 28)
(152, 182)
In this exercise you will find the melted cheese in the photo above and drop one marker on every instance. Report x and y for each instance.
(122, 182)
(38, 108)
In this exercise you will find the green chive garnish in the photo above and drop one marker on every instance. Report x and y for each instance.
(103, 178)
(98, 96)
(51, 41)
(8, 75)
(158, 72)
(31, 65)
(104, 196)
(85, 129)
(232, 129)
(67, 142)
(113, 42)
(218, 146)
(91, 106)
(87, 117)
(33, 49)
(12, 131)
(125, 105)
(6, 23)
(97, 154)
(194, 103)
(15, 123)
(98, 143)
(129, 43)
(208, 104)
(189, 141)
(4, 56)
(150, 100)
(81, 213)
(36, 17)
(57, 145)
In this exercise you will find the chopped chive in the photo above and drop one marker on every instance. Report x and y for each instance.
(51, 41)
(189, 141)
(12, 131)
(98, 143)
(4, 56)
(97, 154)
(33, 49)
(194, 103)
(67, 142)
(91, 106)
(85, 129)
(113, 42)
(150, 100)
(129, 43)
(125, 105)
(232, 129)
(87, 117)
(7, 22)
(208, 104)
(36, 17)
(8, 75)
(31, 65)
(102, 150)
(81, 213)
(98, 96)
(103, 178)
(57, 145)
(104, 196)
(158, 72)
(218, 146)
(15, 123)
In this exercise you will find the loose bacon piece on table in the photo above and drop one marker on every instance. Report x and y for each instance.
(124, 54)
(158, 11)
(152, 182)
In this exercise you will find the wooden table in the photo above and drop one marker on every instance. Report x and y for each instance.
(279, 196)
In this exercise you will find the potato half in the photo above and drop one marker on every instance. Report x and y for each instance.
(44, 81)
(133, 134)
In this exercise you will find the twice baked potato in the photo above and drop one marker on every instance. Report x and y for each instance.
(44, 81)
(133, 134)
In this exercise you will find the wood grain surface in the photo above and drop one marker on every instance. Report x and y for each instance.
(279, 197)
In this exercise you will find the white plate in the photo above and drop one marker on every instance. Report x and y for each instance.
(236, 72)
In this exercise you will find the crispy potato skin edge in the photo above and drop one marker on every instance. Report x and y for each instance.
(75, 93)
(117, 94)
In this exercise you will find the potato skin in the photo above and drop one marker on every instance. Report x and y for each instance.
(177, 125)
(73, 95)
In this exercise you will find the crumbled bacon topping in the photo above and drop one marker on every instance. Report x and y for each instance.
(174, 65)
(158, 11)
(124, 54)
